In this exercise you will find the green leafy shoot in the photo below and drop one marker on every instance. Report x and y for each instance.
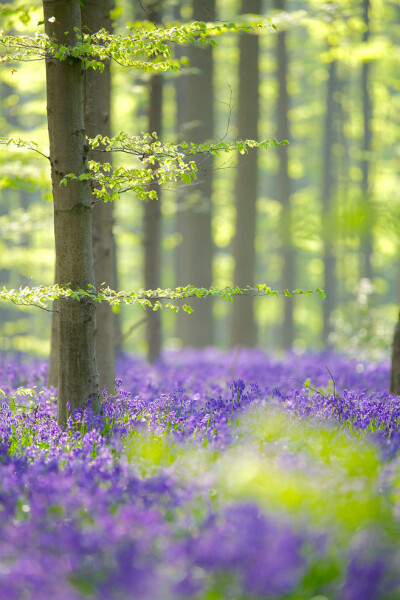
(146, 47)
(22, 145)
(41, 296)
(157, 163)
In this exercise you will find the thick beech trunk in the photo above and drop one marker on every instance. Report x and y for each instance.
(243, 329)
(95, 16)
(77, 370)
(196, 124)
(288, 270)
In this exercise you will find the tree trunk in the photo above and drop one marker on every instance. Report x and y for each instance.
(329, 234)
(117, 327)
(152, 217)
(395, 373)
(243, 329)
(52, 375)
(77, 369)
(196, 124)
(288, 270)
(95, 16)
(367, 138)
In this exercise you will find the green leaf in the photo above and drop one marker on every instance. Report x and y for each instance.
(186, 178)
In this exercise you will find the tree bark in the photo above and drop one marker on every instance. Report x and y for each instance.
(152, 215)
(243, 329)
(77, 369)
(196, 123)
(52, 375)
(96, 16)
(288, 256)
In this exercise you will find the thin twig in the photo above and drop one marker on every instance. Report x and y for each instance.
(34, 305)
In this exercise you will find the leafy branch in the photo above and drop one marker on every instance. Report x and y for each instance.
(42, 295)
(162, 163)
(146, 47)
(22, 144)
(157, 163)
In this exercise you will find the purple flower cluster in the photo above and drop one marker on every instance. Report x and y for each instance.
(130, 503)
(92, 528)
(175, 394)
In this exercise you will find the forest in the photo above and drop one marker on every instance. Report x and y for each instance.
(199, 300)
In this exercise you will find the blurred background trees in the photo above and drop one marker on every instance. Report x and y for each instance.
(319, 212)
(194, 210)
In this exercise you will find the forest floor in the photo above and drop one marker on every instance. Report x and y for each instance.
(208, 476)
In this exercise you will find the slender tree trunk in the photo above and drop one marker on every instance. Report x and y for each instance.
(77, 369)
(367, 138)
(288, 270)
(342, 176)
(152, 217)
(96, 16)
(329, 234)
(6, 194)
(196, 123)
(395, 373)
(243, 329)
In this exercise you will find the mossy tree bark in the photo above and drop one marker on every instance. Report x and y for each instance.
(77, 369)
(96, 16)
